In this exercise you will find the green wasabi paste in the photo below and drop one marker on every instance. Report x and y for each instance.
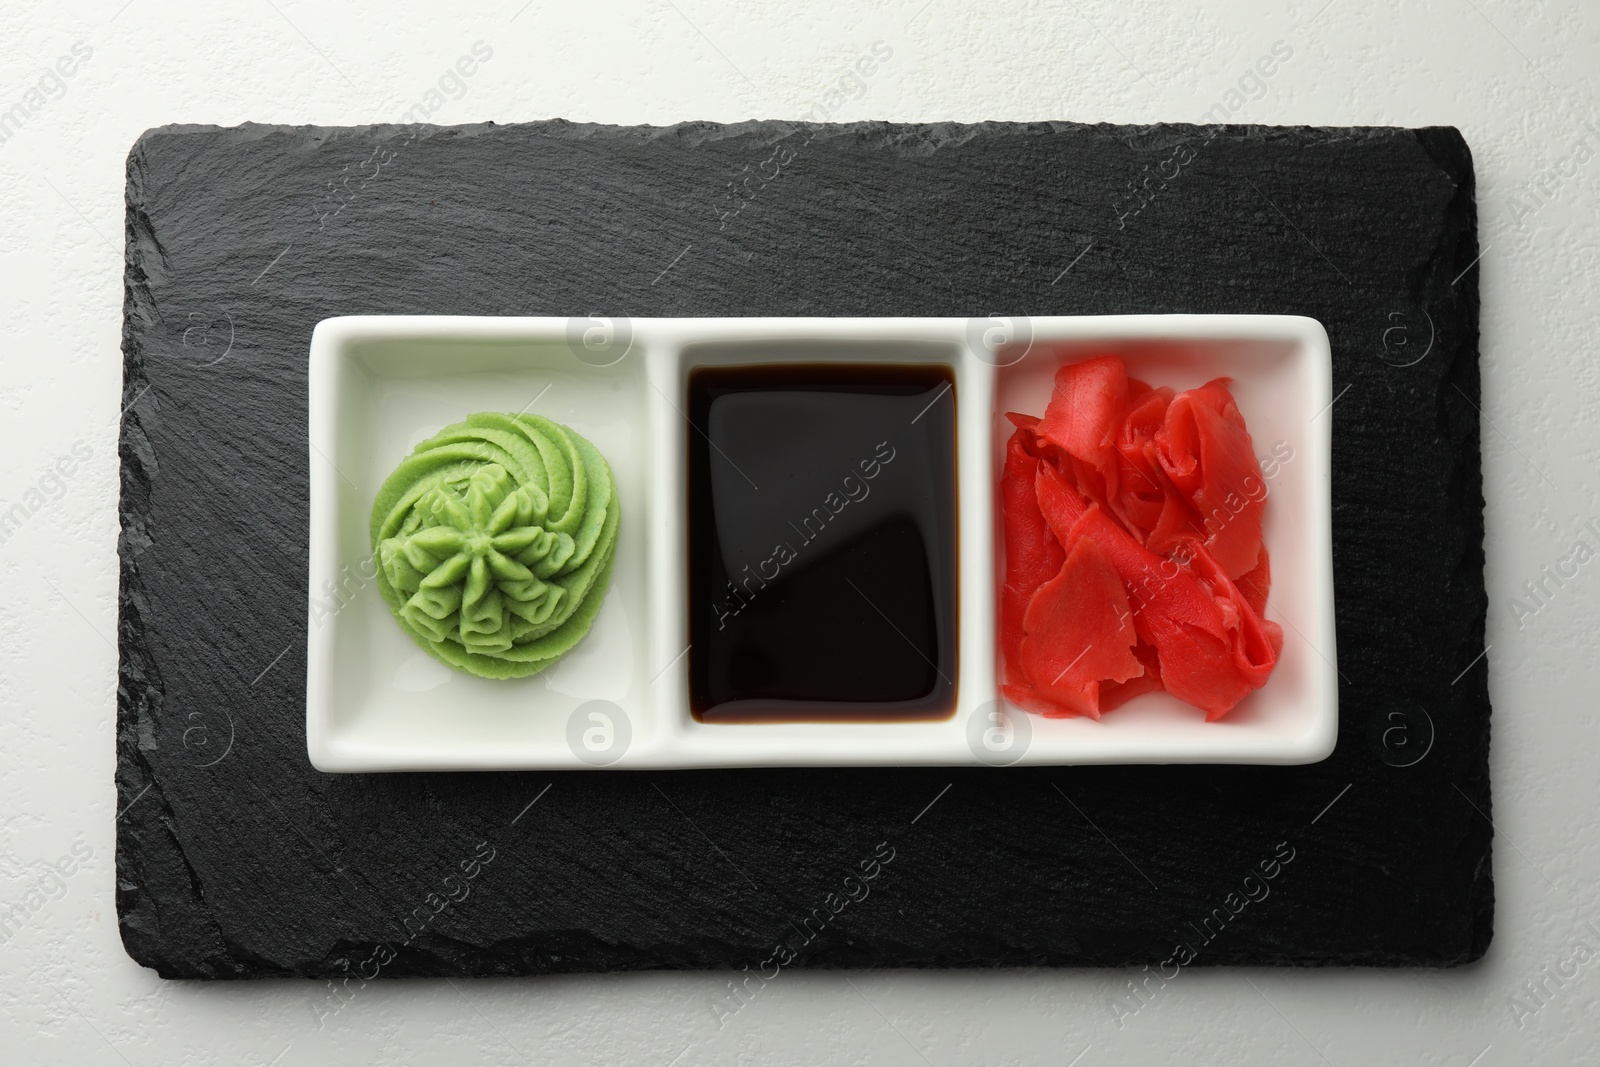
(494, 542)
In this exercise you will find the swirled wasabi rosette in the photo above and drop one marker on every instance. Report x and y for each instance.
(495, 540)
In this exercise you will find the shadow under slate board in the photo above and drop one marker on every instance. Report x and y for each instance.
(235, 859)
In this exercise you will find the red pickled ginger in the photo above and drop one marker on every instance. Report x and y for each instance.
(1133, 552)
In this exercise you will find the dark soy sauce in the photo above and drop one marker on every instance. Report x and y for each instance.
(822, 543)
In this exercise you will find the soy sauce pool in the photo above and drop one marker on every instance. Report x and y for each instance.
(822, 543)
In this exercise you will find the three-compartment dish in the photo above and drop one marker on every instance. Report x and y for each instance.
(808, 565)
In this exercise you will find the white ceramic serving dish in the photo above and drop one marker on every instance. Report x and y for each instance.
(378, 385)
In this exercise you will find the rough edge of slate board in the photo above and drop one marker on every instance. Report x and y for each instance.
(151, 843)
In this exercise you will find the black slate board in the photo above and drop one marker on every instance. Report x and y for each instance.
(236, 859)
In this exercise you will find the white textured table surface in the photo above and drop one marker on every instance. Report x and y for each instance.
(1519, 79)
